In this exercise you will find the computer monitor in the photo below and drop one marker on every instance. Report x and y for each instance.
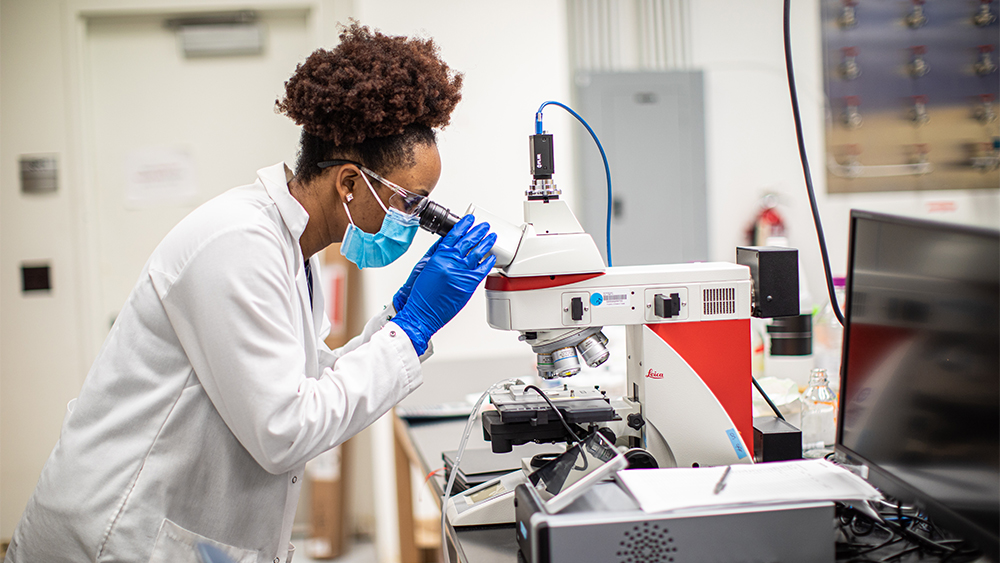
(920, 376)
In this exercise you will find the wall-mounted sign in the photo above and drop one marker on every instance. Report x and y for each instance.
(159, 176)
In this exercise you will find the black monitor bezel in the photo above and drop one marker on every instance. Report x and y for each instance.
(885, 481)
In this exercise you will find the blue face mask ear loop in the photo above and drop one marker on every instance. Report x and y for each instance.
(349, 218)
(374, 193)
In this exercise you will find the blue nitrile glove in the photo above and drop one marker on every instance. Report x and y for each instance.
(447, 282)
(399, 300)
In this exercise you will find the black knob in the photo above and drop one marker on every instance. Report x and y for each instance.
(635, 421)
(639, 458)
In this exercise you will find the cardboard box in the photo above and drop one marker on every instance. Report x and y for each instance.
(328, 530)
(328, 537)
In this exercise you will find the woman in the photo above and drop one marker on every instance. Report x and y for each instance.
(214, 386)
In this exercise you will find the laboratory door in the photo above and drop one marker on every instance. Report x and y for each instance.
(166, 132)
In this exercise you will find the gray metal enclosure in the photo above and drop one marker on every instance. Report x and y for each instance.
(652, 126)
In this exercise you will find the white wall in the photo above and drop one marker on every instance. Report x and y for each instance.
(514, 55)
(750, 131)
(40, 335)
(751, 148)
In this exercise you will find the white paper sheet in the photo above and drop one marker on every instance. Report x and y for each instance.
(660, 490)
(157, 176)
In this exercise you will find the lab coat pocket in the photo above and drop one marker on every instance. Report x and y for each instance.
(174, 544)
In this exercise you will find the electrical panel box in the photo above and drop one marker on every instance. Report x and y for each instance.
(652, 126)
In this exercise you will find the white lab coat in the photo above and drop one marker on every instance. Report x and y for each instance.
(209, 395)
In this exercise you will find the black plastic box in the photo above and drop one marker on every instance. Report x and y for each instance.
(775, 274)
(775, 440)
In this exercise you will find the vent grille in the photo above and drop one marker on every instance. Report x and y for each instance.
(646, 544)
(719, 301)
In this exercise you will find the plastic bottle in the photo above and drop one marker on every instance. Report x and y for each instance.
(828, 336)
(819, 412)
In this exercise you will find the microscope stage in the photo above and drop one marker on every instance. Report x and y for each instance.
(576, 405)
(526, 417)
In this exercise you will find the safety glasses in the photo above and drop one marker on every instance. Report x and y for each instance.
(401, 199)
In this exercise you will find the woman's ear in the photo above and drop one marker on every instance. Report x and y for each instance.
(345, 180)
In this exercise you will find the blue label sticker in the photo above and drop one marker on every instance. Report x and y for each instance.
(596, 299)
(734, 439)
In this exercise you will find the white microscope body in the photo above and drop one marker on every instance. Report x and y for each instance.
(687, 342)
(687, 335)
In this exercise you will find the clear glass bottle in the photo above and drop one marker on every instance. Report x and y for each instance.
(819, 412)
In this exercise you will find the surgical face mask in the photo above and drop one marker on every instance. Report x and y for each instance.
(369, 250)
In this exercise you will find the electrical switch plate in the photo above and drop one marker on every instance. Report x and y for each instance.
(39, 174)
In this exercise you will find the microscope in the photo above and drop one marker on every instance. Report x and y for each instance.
(687, 338)
(687, 327)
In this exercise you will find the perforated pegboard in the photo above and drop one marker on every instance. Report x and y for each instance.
(912, 89)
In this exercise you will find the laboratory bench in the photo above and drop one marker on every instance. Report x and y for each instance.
(421, 442)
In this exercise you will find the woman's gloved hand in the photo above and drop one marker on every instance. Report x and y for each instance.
(399, 300)
(447, 281)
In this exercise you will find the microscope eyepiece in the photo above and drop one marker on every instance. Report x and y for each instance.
(437, 218)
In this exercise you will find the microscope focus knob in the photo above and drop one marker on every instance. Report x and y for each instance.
(635, 421)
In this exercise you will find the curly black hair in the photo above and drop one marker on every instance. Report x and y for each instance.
(370, 99)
